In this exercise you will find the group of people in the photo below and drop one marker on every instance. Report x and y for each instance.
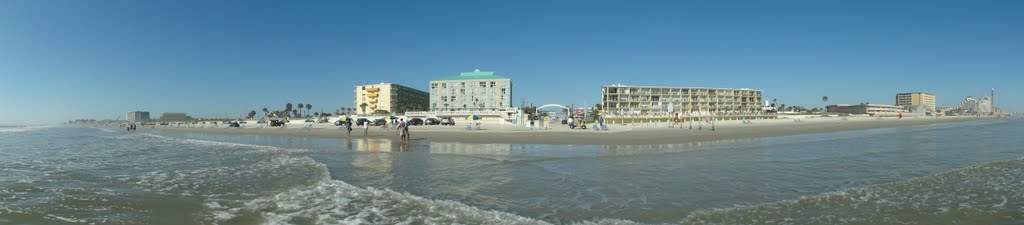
(401, 126)
(129, 127)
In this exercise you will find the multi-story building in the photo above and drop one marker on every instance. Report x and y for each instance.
(175, 116)
(622, 100)
(972, 106)
(869, 109)
(471, 91)
(916, 98)
(137, 116)
(389, 98)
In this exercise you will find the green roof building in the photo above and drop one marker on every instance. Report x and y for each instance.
(471, 91)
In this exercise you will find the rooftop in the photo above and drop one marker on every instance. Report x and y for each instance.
(475, 75)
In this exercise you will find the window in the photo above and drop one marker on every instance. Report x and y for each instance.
(444, 85)
(483, 84)
(492, 83)
(433, 86)
(503, 91)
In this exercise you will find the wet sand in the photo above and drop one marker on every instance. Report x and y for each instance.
(616, 134)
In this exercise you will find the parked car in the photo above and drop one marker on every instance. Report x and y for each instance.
(276, 123)
(362, 121)
(448, 121)
(380, 122)
(414, 122)
(432, 121)
(234, 124)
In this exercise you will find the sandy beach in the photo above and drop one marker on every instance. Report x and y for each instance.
(616, 134)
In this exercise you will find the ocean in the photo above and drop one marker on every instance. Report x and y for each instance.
(954, 173)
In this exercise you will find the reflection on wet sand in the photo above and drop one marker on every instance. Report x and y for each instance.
(376, 145)
(460, 148)
(610, 150)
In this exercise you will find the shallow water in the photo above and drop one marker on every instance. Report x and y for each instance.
(961, 173)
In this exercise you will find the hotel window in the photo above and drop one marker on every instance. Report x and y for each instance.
(433, 86)
(483, 84)
(492, 83)
(444, 85)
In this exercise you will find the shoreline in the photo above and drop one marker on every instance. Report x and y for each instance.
(616, 135)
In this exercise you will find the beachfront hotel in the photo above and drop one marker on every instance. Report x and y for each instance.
(876, 110)
(137, 116)
(915, 99)
(389, 98)
(471, 91)
(625, 100)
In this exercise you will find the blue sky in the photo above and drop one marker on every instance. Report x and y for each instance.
(63, 60)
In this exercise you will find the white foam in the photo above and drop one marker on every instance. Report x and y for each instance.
(18, 129)
(336, 202)
(232, 145)
(65, 219)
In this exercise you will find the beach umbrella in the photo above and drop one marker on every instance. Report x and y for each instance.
(473, 117)
(393, 117)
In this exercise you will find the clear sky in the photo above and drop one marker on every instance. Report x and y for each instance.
(62, 60)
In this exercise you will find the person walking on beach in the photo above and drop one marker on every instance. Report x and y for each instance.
(366, 128)
(348, 128)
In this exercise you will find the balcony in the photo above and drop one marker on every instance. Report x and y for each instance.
(373, 89)
(372, 95)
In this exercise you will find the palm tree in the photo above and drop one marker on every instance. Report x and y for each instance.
(316, 114)
(265, 111)
(363, 106)
(287, 108)
(824, 101)
(295, 113)
(309, 107)
(300, 108)
(252, 114)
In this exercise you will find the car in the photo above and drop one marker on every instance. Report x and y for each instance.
(432, 121)
(234, 124)
(362, 121)
(339, 123)
(448, 121)
(414, 122)
(277, 123)
(380, 122)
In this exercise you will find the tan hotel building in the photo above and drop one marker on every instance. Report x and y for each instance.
(389, 97)
(916, 98)
(623, 100)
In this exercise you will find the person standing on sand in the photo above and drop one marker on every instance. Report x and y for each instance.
(405, 131)
(401, 130)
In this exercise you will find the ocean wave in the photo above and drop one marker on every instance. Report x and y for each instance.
(329, 201)
(981, 194)
(197, 142)
(19, 129)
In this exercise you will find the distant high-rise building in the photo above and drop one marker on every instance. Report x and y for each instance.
(916, 98)
(392, 98)
(975, 106)
(137, 116)
(471, 91)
